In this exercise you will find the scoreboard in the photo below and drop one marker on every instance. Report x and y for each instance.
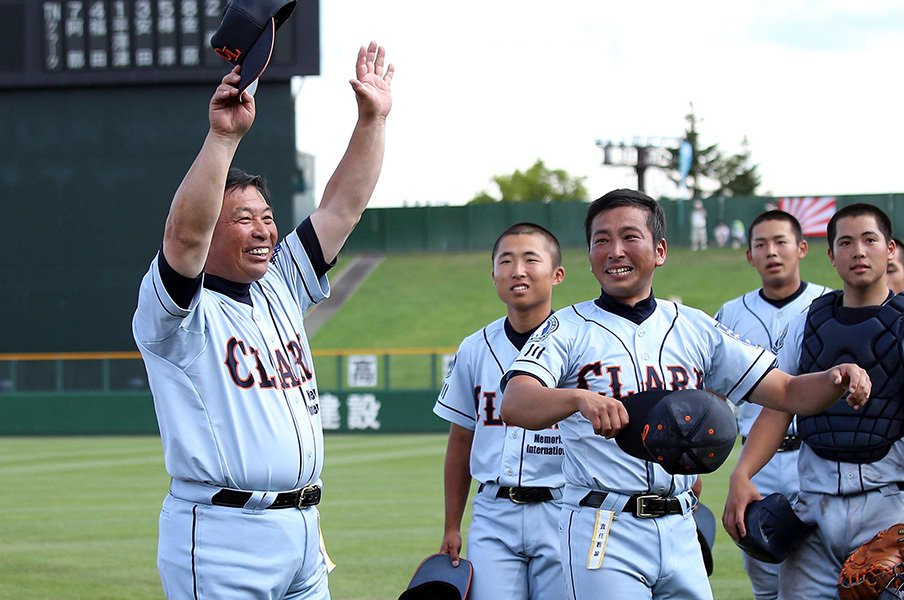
(73, 43)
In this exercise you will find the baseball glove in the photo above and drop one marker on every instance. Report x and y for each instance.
(866, 572)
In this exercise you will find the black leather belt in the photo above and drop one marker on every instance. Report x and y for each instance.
(309, 496)
(525, 495)
(642, 506)
(791, 442)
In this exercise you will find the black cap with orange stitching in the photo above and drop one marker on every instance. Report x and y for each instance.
(247, 34)
(684, 431)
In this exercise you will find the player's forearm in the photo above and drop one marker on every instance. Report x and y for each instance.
(531, 405)
(351, 186)
(457, 476)
(764, 439)
(197, 204)
(812, 393)
(801, 394)
(456, 499)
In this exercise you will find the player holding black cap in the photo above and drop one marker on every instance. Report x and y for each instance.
(622, 527)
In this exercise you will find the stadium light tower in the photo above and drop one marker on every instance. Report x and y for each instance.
(639, 153)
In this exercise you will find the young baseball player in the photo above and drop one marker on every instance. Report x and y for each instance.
(851, 463)
(895, 274)
(775, 248)
(219, 325)
(626, 528)
(513, 539)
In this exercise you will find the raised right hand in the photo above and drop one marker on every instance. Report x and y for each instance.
(231, 115)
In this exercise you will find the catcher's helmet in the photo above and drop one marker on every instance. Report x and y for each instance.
(773, 529)
(685, 431)
(437, 579)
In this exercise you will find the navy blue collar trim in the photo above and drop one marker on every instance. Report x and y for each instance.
(517, 339)
(637, 314)
(240, 292)
(781, 302)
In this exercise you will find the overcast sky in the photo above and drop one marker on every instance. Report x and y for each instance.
(483, 88)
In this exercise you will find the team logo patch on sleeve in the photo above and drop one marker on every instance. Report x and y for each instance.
(545, 330)
(451, 366)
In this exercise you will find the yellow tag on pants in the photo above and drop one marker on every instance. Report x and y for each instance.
(601, 528)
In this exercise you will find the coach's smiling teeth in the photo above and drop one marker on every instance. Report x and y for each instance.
(619, 271)
(259, 251)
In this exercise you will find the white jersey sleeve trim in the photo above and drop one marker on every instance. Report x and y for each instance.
(455, 402)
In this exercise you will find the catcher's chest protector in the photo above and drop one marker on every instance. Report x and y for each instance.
(841, 433)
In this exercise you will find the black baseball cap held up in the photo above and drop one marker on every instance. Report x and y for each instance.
(684, 431)
(247, 34)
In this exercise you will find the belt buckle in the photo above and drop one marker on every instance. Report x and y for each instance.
(788, 443)
(511, 496)
(640, 507)
(303, 495)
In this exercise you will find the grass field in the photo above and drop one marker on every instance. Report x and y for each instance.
(82, 523)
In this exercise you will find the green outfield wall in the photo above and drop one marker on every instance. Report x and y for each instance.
(132, 413)
(475, 227)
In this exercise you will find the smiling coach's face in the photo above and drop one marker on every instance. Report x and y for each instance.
(623, 255)
(243, 238)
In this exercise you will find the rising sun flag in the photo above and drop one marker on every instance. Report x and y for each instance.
(813, 212)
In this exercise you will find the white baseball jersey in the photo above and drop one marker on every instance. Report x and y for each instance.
(824, 476)
(471, 398)
(673, 347)
(232, 376)
(756, 319)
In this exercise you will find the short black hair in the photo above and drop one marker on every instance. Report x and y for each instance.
(237, 178)
(776, 215)
(858, 210)
(525, 228)
(626, 197)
